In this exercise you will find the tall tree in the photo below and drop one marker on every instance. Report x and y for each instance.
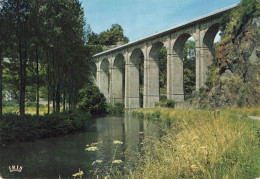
(1, 70)
(46, 35)
(16, 19)
(99, 42)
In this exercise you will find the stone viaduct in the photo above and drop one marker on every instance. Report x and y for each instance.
(117, 70)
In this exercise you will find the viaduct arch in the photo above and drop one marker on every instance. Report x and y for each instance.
(118, 73)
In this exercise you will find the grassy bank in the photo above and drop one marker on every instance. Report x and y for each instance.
(201, 144)
(15, 128)
(253, 111)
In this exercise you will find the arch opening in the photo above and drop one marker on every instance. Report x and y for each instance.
(118, 79)
(209, 61)
(211, 36)
(189, 68)
(156, 89)
(184, 68)
(104, 77)
(136, 79)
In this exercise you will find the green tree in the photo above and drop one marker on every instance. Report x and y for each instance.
(49, 40)
(92, 100)
(17, 30)
(99, 42)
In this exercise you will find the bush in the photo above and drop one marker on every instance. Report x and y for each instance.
(117, 108)
(30, 127)
(242, 97)
(92, 100)
(166, 103)
(170, 103)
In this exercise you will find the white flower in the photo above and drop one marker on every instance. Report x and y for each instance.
(117, 161)
(97, 161)
(91, 149)
(117, 142)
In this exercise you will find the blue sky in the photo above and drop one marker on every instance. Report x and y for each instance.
(141, 18)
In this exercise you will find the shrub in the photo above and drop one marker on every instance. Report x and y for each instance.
(242, 96)
(30, 127)
(166, 103)
(170, 103)
(92, 100)
(117, 108)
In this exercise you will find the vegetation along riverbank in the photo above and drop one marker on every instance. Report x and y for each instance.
(201, 144)
(15, 128)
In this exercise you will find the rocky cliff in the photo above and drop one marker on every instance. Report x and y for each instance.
(239, 66)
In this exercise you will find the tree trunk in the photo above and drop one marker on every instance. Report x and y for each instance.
(1, 87)
(58, 96)
(70, 95)
(53, 84)
(1, 76)
(48, 82)
(37, 82)
(23, 56)
(64, 98)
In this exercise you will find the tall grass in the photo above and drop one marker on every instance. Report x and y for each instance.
(200, 144)
(252, 111)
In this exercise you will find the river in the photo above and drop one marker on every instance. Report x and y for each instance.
(64, 156)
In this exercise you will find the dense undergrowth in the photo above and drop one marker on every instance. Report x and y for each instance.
(200, 144)
(115, 109)
(15, 128)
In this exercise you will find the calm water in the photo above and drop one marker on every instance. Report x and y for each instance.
(49, 158)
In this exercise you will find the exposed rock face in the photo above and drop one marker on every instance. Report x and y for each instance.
(239, 83)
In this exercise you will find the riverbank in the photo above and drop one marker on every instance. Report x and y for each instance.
(15, 128)
(201, 144)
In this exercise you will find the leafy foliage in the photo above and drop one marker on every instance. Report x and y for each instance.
(30, 127)
(100, 42)
(117, 108)
(233, 22)
(45, 42)
(92, 100)
(165, 103)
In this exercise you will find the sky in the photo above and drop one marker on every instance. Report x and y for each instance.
(141, 18)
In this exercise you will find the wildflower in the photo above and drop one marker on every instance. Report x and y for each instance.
(80, 173)
(91, 149)
(97, 143)
(117, 142)
(117, 161)
(195, 137)
(193, 166)
(97, 161)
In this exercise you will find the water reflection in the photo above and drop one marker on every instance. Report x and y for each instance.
(49, 158)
